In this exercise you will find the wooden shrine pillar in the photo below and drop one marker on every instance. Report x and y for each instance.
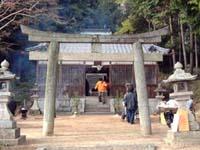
(50, 90)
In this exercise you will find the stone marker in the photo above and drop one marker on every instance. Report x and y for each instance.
(35, 110)
(183, 120)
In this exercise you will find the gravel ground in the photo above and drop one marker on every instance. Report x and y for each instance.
(91, 131)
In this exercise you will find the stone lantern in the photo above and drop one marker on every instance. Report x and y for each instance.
(186, 121)
(9, 133)
(35, 110)
(159, 92)
(180, 80)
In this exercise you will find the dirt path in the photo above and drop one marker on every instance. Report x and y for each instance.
(89, 131)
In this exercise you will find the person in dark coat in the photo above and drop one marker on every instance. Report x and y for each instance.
(12, 105)
(130, 101)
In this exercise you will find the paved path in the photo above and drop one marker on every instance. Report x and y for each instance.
(90, 131)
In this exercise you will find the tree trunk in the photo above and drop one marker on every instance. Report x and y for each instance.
(179, 47)
(183, 46)
(172, 41)
(50, 89)
(149, 25)
(191, 50)
(154, 27)
(196, 53)
(141, 88)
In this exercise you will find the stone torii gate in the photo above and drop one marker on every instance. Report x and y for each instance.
(96, 40)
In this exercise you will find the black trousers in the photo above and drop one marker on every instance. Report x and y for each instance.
(169, 116)
(102, 97)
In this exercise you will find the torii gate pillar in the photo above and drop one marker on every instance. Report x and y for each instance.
(141, 88)
(50, 90)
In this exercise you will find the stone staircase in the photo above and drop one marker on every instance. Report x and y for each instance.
(93, 106)
(105, 147)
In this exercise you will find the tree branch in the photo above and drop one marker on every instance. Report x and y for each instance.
(34, 5)
(1, 15)
(2, 27)
(12, 14)
(20, 11)
(26, 15)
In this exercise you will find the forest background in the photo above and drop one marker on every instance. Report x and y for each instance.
(119, 16)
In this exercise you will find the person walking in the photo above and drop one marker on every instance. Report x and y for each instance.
(101, 87)
(130, 101)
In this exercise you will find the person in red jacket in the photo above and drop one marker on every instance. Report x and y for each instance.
(101, 87)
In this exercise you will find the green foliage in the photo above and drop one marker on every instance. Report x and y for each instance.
(195, 4)
(156, 12)
(72, 16)
(22, 91)
(127, 27)
(159, 13)
(132, 24)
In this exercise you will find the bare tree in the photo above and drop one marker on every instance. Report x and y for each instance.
(15, 12)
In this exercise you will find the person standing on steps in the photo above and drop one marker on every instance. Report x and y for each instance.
(101, 87)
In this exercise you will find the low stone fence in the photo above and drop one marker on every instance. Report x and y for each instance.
(116, 105)
(64, 105)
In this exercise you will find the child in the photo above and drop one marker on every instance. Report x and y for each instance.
(24, 112)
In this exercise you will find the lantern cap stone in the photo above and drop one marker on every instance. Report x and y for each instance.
(180, 74)
(178, 65)
(5, 74)
(4, 65)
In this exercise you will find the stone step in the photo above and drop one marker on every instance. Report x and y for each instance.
(189, 137)
(9, 133)
(93, 106)
(98, 113)
(105, 107)
(97, 110)
(93, 103)
(94, 100)
(109, 147)
(17, 141)
(97, 106)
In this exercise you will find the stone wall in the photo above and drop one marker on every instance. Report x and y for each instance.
(63, 106)
(152, 105)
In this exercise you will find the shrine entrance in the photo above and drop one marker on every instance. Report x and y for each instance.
(92, 74)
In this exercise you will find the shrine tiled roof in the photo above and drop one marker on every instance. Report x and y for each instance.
(105, 48)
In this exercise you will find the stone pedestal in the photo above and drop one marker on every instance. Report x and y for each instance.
(9, 133)
(190, 137)
(35, 110)
(193, 124)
